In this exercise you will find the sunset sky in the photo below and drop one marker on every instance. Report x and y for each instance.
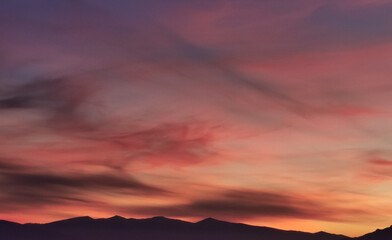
(268, 112)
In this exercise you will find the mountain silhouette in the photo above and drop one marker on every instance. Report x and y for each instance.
(161, 228)
(383, 234)
(156, 228)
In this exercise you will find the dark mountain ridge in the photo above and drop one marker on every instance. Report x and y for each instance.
(160, 228)
(379, 234)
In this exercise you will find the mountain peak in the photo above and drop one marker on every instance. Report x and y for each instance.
(159, 218)
(75, 220)
(330, 236)
(210, 220)
(116, 218)
(379, 234)
(163, 220)
(322, 233)
(8, 223)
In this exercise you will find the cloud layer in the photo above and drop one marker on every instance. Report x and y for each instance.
(270, 112)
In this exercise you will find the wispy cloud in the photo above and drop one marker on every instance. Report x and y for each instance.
(26, 186)
(103, 99)
(249, 204)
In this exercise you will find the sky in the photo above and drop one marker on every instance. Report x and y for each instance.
(268, 112)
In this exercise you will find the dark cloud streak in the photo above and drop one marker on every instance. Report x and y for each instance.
(247, 204)
(27, 186)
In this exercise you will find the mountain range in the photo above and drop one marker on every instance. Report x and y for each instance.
(161, 228)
